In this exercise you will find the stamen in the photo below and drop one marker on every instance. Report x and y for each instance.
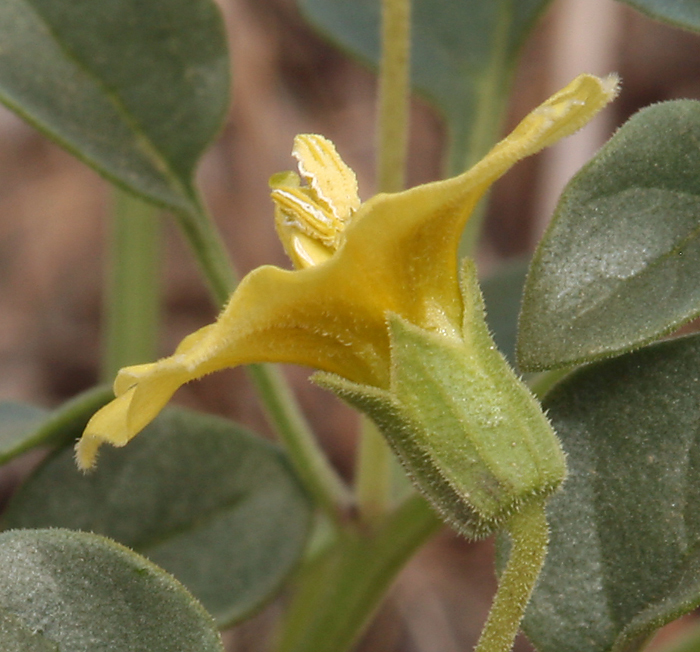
(311, 219)
(333, 183)
(306, 215)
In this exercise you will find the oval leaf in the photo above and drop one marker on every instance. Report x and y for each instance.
(681, 13)
(209, 502)
(83, 593)
(463, 53)
(15, 636)
(619, 266)
(136, 94)
(624, 557)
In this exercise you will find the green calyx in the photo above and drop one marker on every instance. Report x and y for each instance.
(469, 433)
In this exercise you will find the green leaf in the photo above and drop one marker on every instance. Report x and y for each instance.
(463, 56)
(136, 91)
(624, 555)
(23, 427)
(214, 505)
(619, 266)
(83, 593)
(681, 13)
(15, 636)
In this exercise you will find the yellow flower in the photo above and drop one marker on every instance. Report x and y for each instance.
(357, 263)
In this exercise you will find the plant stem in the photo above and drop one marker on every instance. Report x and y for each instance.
(373, 481)
(394, 94)
(373, 487)
(491, 102)
(309, 461)
(132, 305)
(529, 536)
(282, 410)
(340, 591)
(209, 251)
(65, 424)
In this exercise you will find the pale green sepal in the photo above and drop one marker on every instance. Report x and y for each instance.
(512, 398)
(395, 424)
(467, 430)
(480, 431)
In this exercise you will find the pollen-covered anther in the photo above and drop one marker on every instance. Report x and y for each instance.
(299, 211)
(312, 218)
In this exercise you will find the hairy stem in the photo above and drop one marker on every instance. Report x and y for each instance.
(373, 474)
(491, 99)
(341, 589)
(529, 536)
(374, 457)
(394, 93)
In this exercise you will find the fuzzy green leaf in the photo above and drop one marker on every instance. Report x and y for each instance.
(463, 54)
(15, 636)
(136, 91)
(209, 502)
(624, 555)
(84, 593)
(619, 266)
(681, 13)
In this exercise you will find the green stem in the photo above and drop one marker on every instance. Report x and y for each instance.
(282, 410)
(340, 591)
(394, 94)
(529, 536)
(209, 250)
(373, 477)
(66, 423)
(309, 461)
(132, 305)
(373, 487)
(491, 100)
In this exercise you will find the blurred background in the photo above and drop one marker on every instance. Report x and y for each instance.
(287, 80)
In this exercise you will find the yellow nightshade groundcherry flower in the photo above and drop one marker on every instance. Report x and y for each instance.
(373, 279)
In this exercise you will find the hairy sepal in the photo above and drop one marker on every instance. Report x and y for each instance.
(468, 432)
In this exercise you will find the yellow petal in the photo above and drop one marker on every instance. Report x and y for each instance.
(563, 114)
(142, 391)
(107, 425)
(405, 244)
